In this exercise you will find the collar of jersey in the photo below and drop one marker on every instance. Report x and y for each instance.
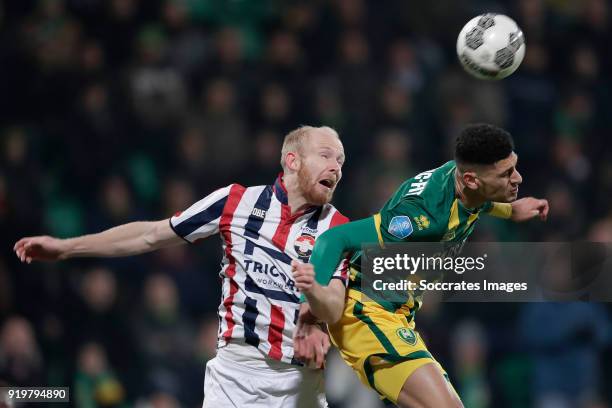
(469, 210)
(279, 189)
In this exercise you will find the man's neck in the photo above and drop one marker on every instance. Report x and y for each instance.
(469, 198)
(295, 199)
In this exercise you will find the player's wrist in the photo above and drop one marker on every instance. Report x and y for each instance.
(306, 316)
(66, 248)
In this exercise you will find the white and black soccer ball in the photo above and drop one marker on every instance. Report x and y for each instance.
(491, 46)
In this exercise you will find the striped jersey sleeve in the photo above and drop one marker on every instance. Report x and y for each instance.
(202, 219)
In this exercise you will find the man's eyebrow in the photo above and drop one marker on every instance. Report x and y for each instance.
(507, 169)
(330, 149)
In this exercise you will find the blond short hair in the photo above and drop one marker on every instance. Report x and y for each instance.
(294, 140)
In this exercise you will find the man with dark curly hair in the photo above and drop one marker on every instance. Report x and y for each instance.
(441, 205)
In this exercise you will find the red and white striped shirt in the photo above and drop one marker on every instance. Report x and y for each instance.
(260, 237)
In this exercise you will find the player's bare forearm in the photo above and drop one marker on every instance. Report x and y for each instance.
(124, 240)
(327, 302)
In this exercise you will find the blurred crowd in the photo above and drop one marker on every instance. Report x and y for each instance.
(121, 110)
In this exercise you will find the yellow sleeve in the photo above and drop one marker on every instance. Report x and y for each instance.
(501, 210)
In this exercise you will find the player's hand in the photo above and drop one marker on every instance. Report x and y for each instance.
(304, 276)
(528, 208)
(42, 248)
(310, 341)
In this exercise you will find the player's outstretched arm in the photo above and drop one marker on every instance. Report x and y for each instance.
(521, 210)
(127, 239)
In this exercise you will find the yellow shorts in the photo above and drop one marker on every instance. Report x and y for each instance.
(382, 347)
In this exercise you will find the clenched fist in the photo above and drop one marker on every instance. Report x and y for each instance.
(304, 276)
(528, 208)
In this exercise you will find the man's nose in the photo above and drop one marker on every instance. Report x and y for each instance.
(516, 178)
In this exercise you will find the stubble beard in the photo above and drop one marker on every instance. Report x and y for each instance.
(308, 187)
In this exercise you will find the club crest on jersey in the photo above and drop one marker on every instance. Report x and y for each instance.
(400, 227)
(422, 222)
(304, 244)
(408, 335)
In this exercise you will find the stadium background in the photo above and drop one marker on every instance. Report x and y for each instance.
(121, 110)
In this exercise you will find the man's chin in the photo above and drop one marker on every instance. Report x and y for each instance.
(505, 199)
(320, 197)
(326, 199)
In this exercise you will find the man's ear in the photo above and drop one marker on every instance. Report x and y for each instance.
(292, 161)
(470, 180)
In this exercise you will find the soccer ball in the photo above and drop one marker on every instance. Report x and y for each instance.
(491, 46)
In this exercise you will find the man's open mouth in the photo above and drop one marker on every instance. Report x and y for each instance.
(329, 183)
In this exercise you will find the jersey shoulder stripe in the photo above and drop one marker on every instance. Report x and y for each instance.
(201, 219)
(258, 214)
(198, 220)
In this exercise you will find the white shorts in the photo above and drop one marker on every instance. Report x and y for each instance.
(231, 383)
